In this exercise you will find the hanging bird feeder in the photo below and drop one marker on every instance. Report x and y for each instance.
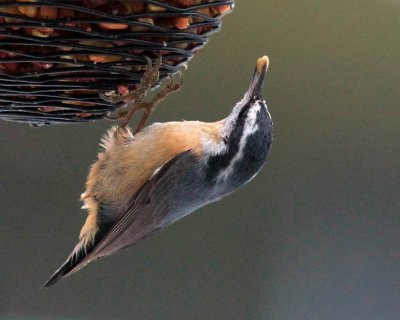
(56, 56)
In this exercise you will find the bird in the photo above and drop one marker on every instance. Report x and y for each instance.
(143, 182)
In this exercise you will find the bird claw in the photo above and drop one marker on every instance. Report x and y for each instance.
(174, 85)
(149, 79)
(134, 101)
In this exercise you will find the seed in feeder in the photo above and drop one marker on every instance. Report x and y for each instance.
(39, 32)
(181, 22)
(94, 3)
(188, 3)
(103, 59)
(155, 8)
(49, 109)
(11, 10)
(49, 13)
(11, 67)
(136, 51)
(66, 13)
(122, 89)
(134, 7)
(148, 21)
(42, 65)
(113, 26)
(29, 11)
(97, 59)
(78, 103)
(220, 9)
(182, 45)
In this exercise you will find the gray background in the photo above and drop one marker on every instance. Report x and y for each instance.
(314, 236)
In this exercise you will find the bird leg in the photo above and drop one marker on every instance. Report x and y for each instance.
(173, 85)
(134, 100)
(150, 77)
(136, 97)
(148, 107)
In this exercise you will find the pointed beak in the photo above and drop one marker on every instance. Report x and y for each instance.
(257, 83)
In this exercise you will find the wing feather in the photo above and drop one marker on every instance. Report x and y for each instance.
(145, 212)
(146, 209)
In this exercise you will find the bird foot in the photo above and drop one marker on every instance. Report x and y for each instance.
(148, 107)
(149, 78)
(125, 113)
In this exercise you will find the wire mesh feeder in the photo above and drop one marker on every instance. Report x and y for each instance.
(56, 55)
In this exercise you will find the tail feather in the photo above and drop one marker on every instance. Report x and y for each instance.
(72, 265)
(60, 273)
(77, 259)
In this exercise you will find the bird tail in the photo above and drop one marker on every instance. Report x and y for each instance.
(71, 265)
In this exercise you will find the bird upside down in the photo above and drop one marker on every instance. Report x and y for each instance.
(143, 182)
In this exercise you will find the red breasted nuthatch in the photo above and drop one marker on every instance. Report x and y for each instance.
(144, 182)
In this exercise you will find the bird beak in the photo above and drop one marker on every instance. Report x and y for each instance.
(257, 83)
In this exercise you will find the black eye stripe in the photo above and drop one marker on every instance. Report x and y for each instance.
(222, 161)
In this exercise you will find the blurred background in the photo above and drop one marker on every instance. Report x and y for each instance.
(314, 236)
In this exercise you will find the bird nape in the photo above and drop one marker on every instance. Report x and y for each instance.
(143, 182)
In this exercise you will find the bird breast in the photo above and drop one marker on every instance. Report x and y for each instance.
(128, 162)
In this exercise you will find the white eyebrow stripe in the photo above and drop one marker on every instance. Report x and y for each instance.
(250, 128)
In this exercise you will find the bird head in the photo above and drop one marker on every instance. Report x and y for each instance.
(246, 133)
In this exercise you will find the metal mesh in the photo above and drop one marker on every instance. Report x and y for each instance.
(56, 55)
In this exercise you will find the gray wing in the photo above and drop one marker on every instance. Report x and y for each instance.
(147, 208)
(155, 205)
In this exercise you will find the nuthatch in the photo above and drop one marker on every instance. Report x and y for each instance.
(142, 183)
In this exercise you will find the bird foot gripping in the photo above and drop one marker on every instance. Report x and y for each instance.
(149, 78)
(134, 101)
(148, 107)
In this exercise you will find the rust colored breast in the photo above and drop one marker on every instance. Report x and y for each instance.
(123, 168)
